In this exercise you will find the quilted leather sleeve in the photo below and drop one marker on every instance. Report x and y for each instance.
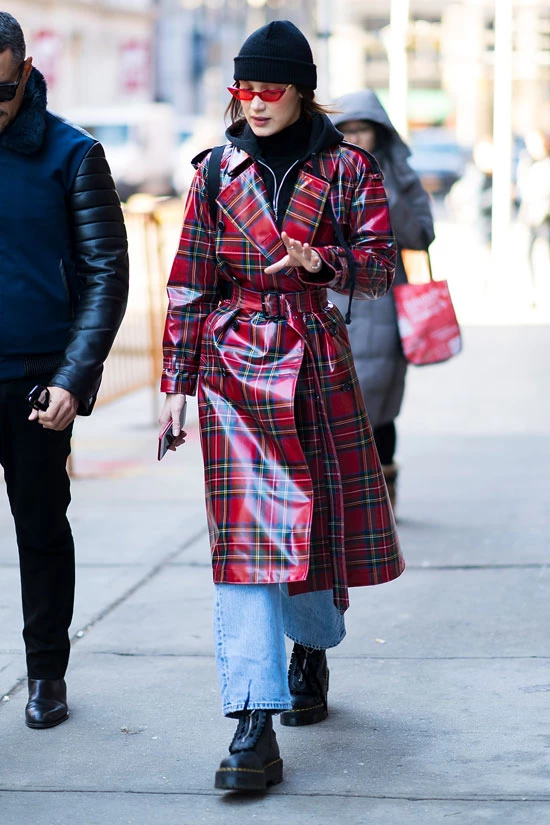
(100, 253)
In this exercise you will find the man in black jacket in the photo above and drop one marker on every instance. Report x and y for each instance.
(63, 288)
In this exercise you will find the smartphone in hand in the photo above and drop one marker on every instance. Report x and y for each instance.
(167, 436)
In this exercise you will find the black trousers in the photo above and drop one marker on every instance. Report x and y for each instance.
(34, 462)
(385, 438)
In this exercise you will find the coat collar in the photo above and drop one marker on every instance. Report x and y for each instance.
(238, 158)
(244, 200)
(26, 134)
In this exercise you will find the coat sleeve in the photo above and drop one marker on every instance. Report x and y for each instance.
(368, 230)
(100, 252)
(193, 292)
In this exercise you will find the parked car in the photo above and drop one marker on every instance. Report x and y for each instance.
(139, 141)
(438, 158)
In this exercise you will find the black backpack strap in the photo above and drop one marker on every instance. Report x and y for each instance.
(352, 265)
(213, 180)
(213, 177)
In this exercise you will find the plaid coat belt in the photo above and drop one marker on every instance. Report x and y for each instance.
(275, 305)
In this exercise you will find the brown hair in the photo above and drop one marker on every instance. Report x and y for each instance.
(310, 107)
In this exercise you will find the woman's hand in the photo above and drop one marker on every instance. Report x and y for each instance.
(298, 254)
(171, 411)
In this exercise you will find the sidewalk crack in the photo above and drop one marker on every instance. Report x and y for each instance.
(147, 577)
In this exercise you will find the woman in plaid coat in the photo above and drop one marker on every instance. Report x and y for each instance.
(296, 501)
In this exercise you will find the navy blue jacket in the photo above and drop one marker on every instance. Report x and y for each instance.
(63, 250)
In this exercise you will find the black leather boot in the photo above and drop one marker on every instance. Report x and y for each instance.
(308, 685)
(255, 761)
(47, 705)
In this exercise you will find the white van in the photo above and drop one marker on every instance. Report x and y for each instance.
(139, 142)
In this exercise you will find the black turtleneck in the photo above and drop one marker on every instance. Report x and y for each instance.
(279, 152)
(289, 144)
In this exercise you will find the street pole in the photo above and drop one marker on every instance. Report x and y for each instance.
(397, 60)
(502, 135)
(324, 33)
(255, 15)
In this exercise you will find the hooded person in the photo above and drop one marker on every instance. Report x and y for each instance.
(374, 335)
(295, 496)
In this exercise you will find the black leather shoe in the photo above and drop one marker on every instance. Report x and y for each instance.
(308, 685)
(255, 761)
(47, 705)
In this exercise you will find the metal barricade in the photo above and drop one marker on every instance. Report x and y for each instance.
(153, 226)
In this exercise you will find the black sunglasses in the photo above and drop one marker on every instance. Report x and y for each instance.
(9, 90)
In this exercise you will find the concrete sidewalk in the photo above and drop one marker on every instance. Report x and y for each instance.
(439, 694)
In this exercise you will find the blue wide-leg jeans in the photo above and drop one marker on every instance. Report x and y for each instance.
(250, 624)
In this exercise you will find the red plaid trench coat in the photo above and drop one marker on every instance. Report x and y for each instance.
(294, 487)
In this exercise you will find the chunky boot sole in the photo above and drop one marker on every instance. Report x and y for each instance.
(44, 725)
(298, 717)
(303, 716)
(247, 779)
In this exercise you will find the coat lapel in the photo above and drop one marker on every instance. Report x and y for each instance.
(244, 200)
(246, 203)
(308, 200)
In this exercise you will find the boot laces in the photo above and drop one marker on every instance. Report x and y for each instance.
(250, 728)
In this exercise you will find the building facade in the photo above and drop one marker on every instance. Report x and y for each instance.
(92, 52)
(449, 60)
(197, 41)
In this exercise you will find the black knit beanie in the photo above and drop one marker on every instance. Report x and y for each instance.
(277, 53)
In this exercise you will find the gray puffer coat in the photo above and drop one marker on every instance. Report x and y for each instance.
(373, 332)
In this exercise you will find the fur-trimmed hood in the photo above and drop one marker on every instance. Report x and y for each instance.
(26, 133)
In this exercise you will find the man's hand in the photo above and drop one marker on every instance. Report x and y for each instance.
(171, 411)
(61, 411)
(298, 254)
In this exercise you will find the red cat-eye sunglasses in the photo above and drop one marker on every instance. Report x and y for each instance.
(268, 95)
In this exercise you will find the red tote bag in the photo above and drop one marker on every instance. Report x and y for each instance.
(427, 321)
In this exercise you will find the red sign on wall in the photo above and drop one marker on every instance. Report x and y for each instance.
(135, 66)
(47, 51)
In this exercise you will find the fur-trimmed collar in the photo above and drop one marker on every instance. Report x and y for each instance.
(26, 133)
